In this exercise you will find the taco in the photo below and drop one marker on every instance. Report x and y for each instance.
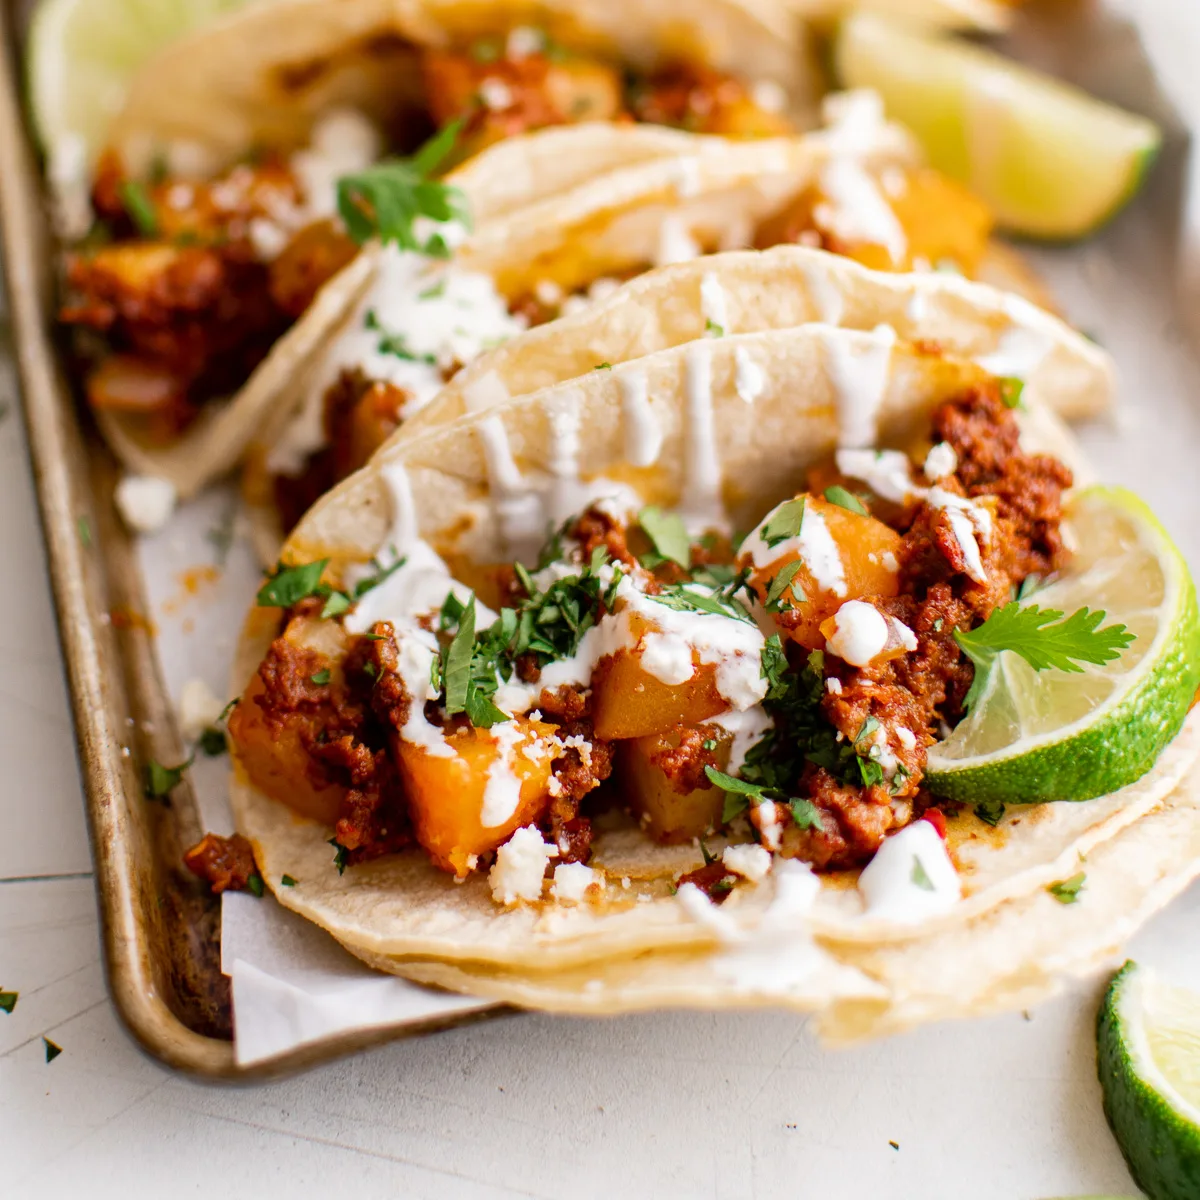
(655, 758)
(557, 265)
(237, 150)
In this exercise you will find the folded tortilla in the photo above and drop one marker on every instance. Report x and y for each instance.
(450, 484)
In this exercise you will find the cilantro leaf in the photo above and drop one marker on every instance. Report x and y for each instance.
(844, 499)
(394, 343)
(286, 881)
(386, 199)
(781, 583)
(456, 660)
(713, 329)
(53, 1049)
(139, 206)
(84, 528)
(339, 857)
(774, 667)
(688, 598)
(784, 522)
(212, 742)
(8, 1001)
(287, 586)
(1067, 891)
(604, 366)
(254, 885)
(806, 814)
(668, 534)
(990, 812)
(161, 781)
(335, 604)
(480, 710)
(1043, 639)
(1011, 391)
(320, 678)
(920, 876)
(734, 805)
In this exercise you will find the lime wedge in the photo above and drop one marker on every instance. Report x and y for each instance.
(1148, 1046)
(1050, 160)
(1057, 735)
(82, 54)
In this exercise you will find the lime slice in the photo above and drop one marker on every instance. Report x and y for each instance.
(1148, 1045)
(1050, 160)
(1057, 735)
(82, 54)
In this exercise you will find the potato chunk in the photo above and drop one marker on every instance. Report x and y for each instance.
(504, 771)
(663, 776)
(867, 551)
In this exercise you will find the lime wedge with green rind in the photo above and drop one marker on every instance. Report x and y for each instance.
(82, 54)
(1050, 160)
(1057, 735)
(1148, 1051)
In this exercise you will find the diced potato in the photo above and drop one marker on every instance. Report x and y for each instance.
(867, 547)
(669, 813)
(583, 90)
(313, 256)
(276, 760)
(629, 702)
(446, 794)
(942, 220)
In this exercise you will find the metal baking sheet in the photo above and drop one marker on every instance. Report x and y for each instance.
(124, 617)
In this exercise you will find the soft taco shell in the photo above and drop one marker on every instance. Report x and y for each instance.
(402, 907)
(262, 75)
(783, 287)
(1015, 955)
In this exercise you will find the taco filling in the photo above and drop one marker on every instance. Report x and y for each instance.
(422, 319)
(784, 687)
(188, 283)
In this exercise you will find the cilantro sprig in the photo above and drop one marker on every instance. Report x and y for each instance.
(385, 200)
(286, 586)
(1043, 638)
(668, 535)
(740, 793)
(784, 522)
(1067, 891)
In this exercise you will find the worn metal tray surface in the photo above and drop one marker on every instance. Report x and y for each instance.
(160, 929)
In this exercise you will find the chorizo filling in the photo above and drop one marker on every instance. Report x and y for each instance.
(783, 689)
(184, 286)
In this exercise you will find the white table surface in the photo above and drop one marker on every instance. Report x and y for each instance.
(728, 1106)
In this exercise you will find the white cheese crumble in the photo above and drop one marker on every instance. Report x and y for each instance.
(145, 502)
(520, 866)
(571, 882)
(199, 708)
(749, 861)
(495, 94)
(768, 824)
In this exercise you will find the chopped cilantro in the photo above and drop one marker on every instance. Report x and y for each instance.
(604, 366)
(668, 534)
(843, 499)
(713, 329)
(1043, 639)
(321, 677)
(781, 583)
(212, 742)
(53, 1049)
(255, 884)
(286, 881)
(394, 343)
(867, 729)
(709, 744)
(386, 199)
(1011, 391)
(784, 522)
(335, 604)
(688, 598)
(435, 292)
(139, 206)
(161, 781)
(806, 814)
(339, 856)
(774, 667)
(1067, 890)
(8, 1001)
(708, 858)
(990, 812)
(456, 660)
(920, 876)
(287, 586)
(84, 528)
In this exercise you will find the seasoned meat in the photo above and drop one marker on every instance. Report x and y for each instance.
(701, 99)
(713, 879)
(684, 764)
(226, 864)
